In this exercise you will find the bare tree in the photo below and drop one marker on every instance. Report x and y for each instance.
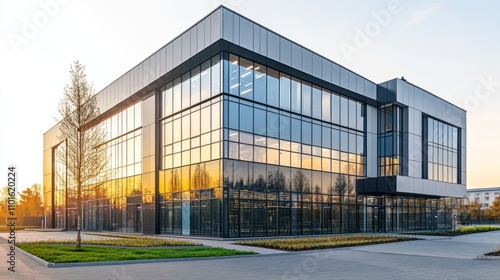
(86, 156)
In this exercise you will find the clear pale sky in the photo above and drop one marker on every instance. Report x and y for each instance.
(450, 48)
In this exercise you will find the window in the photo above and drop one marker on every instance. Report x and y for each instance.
(246, 117)
(195, 85)
(186, 90)
(246, 78)
(272, 87)
(272, 124)
(316, 103)
(284, 92)
(441, 153)
(234, 75)
(260, 83)
(325, 105)
(306, 133)
(205, 80)
(260, 121)
(306, 99)
(296, 95)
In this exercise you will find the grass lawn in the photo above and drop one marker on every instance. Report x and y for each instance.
(461, 231)
(61, 253)
(311, 243)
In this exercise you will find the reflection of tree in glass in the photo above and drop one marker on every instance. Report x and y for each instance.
(276, 180)
(260, 182)
(341, 185)
(317, 193)
(176, 181)
(301, 182)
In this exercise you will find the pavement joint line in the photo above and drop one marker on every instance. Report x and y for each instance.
(407, 254)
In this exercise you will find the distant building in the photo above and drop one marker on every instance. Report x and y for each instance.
(484, 196)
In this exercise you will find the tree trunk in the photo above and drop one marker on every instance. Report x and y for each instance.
(78, 229)
(78, 219)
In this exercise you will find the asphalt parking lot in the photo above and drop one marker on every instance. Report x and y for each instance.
(432, 258)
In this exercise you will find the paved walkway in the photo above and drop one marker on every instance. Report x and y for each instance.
(432, 258)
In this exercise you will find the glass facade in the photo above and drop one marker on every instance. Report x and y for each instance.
(294, 149)
(390, 140)
(442, 146)
(190, 184)
(107, 204)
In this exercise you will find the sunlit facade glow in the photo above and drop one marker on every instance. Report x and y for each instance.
(231, 130)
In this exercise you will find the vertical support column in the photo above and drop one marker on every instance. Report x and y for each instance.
(149, 178)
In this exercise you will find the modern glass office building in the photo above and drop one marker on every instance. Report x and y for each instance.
(231, 130)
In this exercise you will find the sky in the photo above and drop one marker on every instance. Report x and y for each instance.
(450, 48)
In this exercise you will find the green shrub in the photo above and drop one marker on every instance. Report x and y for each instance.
(461, 231)
(126, 241)
(310, 243)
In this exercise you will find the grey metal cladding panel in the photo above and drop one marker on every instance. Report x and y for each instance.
(456, 116)
(157, 60)
(431, 105)
(414, 147)
(207, 32)
(360, 85)
(411, 124)
(371, 154)
(273, 46)
(440, 109)
(140, 76)
(344, 78)
(133, 80)
(370, 89)
(263, 41)
(168, 58)
(307, 61)
(215, 26)
(400, 94)
(417, 99)
(464, 137)
(200, 32)
(316, 65)
(186, 46)
(352, 81)
(176, 53)
(100, 102)
(194, 40)
(463, 158)
(146, 73)
(246, 34)
(296, 56)
(415, 169)
(285, 51)
(326, 71)
(335, 74)
(227, 25)
(125, 85)
(371, 119)
(417, 122)
(256, 38)
(152, 68)
(236, 29)
(163, 60)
